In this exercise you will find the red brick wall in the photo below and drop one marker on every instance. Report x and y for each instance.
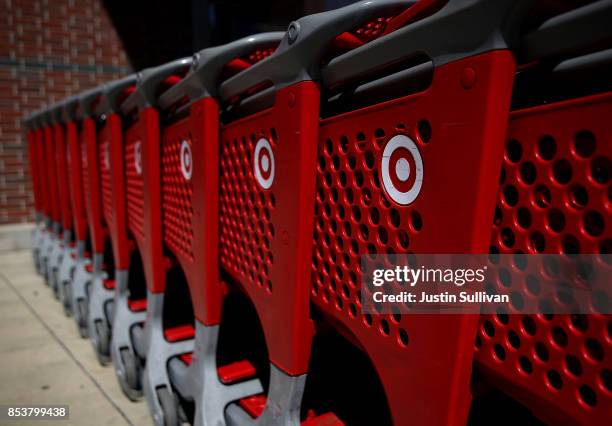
(49, 49)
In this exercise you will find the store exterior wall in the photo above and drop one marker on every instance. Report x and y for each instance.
(49, 49)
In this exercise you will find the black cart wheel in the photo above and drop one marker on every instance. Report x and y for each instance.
(169, 407)
(82, 317)
(102, 343)
(66, 300)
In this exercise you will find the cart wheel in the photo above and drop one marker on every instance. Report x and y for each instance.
(82, 317)
(102, 343)
(55, 283)
(130, 382)
(67, 297)
(169, 407)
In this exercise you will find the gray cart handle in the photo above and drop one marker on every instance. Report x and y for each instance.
(459, 29)
(69, 108)
(148, 81)
(477, 26)
(570, 33)
(86, 102)
(306, 40)
(202, 80)
(111, 94)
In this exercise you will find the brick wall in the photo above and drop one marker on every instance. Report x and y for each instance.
(49, 49)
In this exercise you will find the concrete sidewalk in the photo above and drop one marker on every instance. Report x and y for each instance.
(43, 360)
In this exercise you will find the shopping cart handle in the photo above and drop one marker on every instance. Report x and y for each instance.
(111, 94)
(55, 113)
(31, 121)
(458, 29)
(46, 118)
(202, 80)
(569, 33)
(87, 102)
(148, 81)
(70, 107)
(300, 52)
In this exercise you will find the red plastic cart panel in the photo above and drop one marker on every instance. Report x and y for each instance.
(423, 361)
(177, 189)
(112, 179)
(266, 216)
(61, 148)
(554, 198)
(52, 182)
(105, 176)
(134, 183)
(75, 174)
(35, 170)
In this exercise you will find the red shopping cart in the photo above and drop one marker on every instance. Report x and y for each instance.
(399, 93)
(36, 174)
(130, 291)
(189, 187)
(100, 290)
(77, 289)
(52, 243)
(160, 339)
(554, 198)
(67, 247)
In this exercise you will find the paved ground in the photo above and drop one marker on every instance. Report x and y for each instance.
(42, 359)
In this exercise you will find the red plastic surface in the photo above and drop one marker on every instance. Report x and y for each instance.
(235, 372)
(181, 332)
(61, 151)
(423, 361)
(144, 207)
(34, 170)
(327, 419)
(75, 176)
(134, 184)
(109, 284)
(92, 185)
(137, 305)
(554, 198)
(112, 176)
(52, 184)
(187, 358)
(265, 235)
(253, 405)
(190, 206)
(177, 191)
(42, 171)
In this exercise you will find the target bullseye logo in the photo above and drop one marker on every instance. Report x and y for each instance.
(402, 169)
(186, 160)
(138, 157)
(263, 163)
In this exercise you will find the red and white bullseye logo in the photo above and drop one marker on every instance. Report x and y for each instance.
(263, 163)
(186, 160)
(402, 169)
(138, 157)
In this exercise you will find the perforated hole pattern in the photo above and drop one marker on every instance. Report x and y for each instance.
(245, 208)
(105, 178)
(134, 185)
(260, 54)
(85, 176)
(353, 217)
(555, 197)
(176, 192)
(372, 29)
